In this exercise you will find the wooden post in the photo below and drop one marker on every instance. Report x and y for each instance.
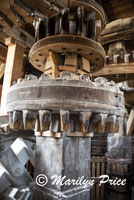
(13, 68)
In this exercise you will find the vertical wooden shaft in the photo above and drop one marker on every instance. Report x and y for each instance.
(91, 25)
(65, 21)
(13, 70)
(80, 20)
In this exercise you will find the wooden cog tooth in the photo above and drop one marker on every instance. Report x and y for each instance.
(64, 119)
(45, 117)
(11, 120)
(80, 20)
(37, 125)
(29, 119)
(99, 122)
(17, 120)
(111, 123)
(117, 125)
(55, 123)
(84, 121)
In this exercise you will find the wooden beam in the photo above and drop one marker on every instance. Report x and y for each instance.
(13, 70)
(113, 37)
(20, 35)
(78, 71)
(3, 53)
(130, 122)
(119, 68)
(118, 30)
(67, 68)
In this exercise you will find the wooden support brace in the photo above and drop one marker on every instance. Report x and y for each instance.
(53, 60)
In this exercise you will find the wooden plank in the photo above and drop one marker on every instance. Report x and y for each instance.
(79, 134)
(127, 34)
(93, 188)
(103, 186)
(78, 71)
(50, 134)
(99, 159)
(130, 122)
(3, 53)
(118, 25)
(13, 71)
(97, 185)
(67, 68)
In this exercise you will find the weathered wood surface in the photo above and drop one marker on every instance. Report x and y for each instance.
(120, 68)
(13, 70)
(98, 168)
(118, 30)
